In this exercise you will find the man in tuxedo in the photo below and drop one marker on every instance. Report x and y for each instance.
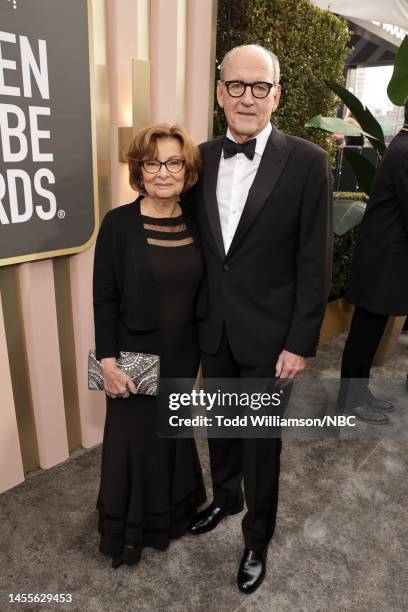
(264, 214)
(378, 284)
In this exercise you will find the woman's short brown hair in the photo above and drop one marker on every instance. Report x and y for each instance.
(144, 147)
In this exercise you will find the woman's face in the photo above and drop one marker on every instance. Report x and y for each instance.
(165, 184)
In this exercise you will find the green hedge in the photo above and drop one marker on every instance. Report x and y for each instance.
(311, 45)
(343, 249)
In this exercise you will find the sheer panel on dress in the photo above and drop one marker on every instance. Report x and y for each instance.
(166, 232)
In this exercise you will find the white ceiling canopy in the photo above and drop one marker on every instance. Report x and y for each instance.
(394, 12)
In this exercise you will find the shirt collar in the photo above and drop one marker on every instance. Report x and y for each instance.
(261, 138)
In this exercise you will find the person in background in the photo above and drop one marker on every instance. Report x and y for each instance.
(147, 272)
(264, 209)
(355, 141)
(378, 284)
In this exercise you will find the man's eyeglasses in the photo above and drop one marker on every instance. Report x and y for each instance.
(153, 166)
(236, 89)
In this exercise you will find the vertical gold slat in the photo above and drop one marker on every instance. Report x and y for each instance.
(100, 103)
(100, 100)
(67, 350)
(140, 94)
(11, 465)
(18, 367)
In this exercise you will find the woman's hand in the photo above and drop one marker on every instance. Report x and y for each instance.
(117, 384)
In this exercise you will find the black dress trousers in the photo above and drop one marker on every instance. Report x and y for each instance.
(256, 461)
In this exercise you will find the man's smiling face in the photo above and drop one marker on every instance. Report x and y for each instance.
(247, 116)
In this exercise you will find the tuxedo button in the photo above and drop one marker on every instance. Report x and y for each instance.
(226, 267)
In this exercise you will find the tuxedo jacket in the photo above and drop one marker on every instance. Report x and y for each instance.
(379, 273)
(270, 289)
(125, 296)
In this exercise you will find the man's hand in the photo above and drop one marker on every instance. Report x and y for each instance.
(289, 365)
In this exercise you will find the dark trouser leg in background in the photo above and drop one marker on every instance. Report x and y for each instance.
(364, 337)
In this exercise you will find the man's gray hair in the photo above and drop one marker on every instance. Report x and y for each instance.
(275, 61)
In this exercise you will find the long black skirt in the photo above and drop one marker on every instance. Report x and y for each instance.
(150, 486)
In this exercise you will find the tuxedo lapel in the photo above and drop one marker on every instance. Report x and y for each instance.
(210, 175)
(272, 163)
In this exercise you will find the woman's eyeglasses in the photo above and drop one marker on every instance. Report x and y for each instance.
(153, 166)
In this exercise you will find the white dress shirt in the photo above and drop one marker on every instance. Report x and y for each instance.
(235, 177)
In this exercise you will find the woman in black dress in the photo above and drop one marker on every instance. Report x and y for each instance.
(147, 272)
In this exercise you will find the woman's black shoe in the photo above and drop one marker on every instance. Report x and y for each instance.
(117, 561)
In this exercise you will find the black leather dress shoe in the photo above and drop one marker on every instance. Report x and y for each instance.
(380, 404)
(208, 519)
(252, 570)
(367, 413)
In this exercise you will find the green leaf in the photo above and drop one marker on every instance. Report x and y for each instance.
(347, 214)
(398, 86)
(363, 115)
(335, 125)
(363, 169)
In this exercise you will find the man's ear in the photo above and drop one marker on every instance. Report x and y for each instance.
(278, 92)
(220, 93)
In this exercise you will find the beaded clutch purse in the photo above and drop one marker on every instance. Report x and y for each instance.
(142, 368)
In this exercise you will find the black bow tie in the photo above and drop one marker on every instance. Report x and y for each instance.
(231, 148)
